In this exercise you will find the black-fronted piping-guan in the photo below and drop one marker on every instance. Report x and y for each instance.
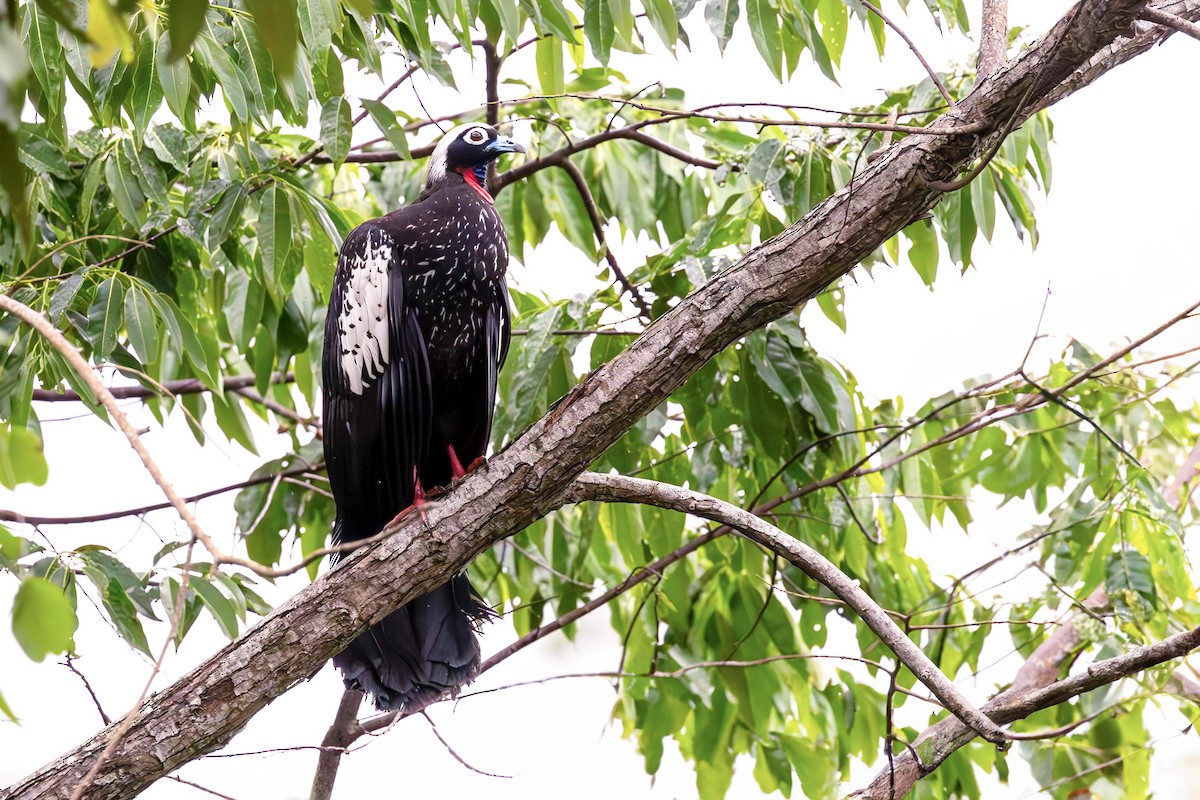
(417, 330)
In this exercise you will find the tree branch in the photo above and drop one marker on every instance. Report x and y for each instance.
(589, 202)
(204, 709)
(23, 519)
(1171, 21)
(1024, 698)
(59, 342)
(344, 730)
(928, 69)
(620, 489)
(185, 386)
(993, 38)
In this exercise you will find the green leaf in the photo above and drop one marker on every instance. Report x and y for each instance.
(764, 29)
(185, 18)
(103, 567)
(983, 200)
(220, 606)
(6, 709)
(108, 33)
(549, 58)
(315, 18)
(21, 457)
(336, 129)
(124, 615)
(146, 95)
(176, 80)
(721, 16)
(835, 20)
(274, 231)
(388, 125)
(123, 184)
(662, 18)
(226, 217)
(170, 145)
(278, 27)
(42, 619)
(599, 29)
(142, 325)
(832, 303)
(105, 317)
(924, 251)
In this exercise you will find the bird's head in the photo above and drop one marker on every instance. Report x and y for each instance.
(468, 148)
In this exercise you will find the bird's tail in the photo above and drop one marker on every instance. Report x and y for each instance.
(420, 652)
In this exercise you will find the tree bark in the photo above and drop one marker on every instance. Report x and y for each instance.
(203, 710)
(993, 37)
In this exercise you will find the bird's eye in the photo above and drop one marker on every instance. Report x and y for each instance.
(476, 136)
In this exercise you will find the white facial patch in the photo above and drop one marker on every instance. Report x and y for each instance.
(439, 161)
(363, 325)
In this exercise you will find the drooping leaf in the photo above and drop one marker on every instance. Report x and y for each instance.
(185, 18)
(21, 457)
(106, 316)
(279, 29)
(336, 129)
(43, 621)
(721, 16)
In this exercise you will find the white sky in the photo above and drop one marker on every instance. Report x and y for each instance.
(1118, 250)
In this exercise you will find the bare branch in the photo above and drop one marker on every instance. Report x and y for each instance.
(344, 730)
(185, 386)
(1180, 24)
(928, 69)
(23, 519)
(59, 342)
(620, 489)
(589, 202)
(993, 38)
(69, 663)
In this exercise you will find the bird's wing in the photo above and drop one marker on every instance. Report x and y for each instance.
(376, 385)
(497, 330)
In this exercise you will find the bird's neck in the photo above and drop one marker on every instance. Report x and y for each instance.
(476, 178)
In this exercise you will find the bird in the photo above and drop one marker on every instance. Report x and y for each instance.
(417, 330)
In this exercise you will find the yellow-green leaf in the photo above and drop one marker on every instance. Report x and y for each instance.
(42, 619)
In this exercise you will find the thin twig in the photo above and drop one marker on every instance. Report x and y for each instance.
(59, 342)
(204, 789)
(69, 663)
(183, 386)
(589, 202)
(455, 754)
(127, 722)
(23, 519)
(928, 69)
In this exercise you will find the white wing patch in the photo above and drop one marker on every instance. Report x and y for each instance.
(363, 325)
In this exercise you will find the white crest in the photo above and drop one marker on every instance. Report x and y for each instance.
(438, 161)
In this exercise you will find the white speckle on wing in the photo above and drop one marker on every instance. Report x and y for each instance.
(363, 325)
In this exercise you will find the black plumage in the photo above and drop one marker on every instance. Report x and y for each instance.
(417, 330)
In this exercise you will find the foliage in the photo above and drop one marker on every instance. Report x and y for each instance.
(189, 227)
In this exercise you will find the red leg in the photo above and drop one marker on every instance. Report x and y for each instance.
(456, 467)
(419, 500)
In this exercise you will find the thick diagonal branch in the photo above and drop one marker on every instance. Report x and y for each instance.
(204, 709)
